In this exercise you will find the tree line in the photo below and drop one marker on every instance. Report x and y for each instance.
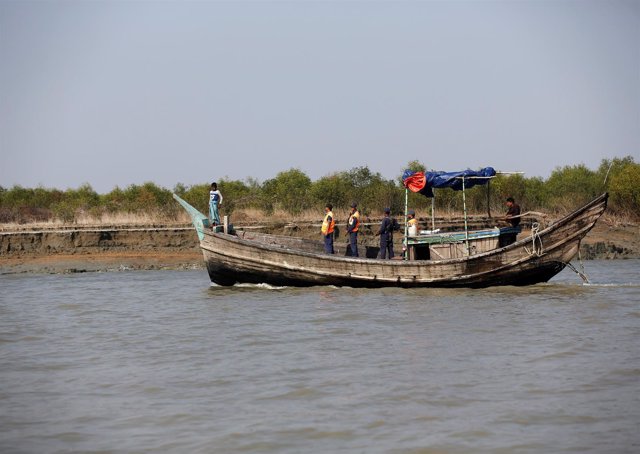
(294, 193)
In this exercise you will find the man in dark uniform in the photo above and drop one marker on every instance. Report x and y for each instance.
(386, 235)
(513, 212)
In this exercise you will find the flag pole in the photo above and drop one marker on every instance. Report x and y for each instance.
(406, 230)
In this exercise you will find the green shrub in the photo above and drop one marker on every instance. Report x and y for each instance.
(294, 192)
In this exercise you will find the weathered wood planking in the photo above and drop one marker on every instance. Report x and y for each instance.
(288, 261)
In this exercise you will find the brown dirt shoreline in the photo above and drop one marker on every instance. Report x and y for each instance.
(76, 249)
(99, 249)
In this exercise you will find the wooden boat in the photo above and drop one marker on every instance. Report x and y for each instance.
(246, 257)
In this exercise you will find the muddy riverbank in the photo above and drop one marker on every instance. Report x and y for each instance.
(113, 248)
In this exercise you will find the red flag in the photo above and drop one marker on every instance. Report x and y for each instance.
(416, 182)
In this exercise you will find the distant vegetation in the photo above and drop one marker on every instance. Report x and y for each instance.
(293, 193)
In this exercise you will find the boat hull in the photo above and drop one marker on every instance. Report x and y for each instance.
(279, 261)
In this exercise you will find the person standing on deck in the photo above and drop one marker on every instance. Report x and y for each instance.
(386, 235)
(513, 212)
(215, 201)
(353, 226)
(412, 223)
(328, 226)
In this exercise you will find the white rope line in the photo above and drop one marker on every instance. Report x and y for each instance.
(537, 248)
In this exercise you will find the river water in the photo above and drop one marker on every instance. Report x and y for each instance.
(160, 361)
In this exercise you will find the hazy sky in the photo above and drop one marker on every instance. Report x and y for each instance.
(114, 93)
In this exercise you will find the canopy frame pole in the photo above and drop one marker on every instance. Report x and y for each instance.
(489, 198)
(433, 211)
(466, 227)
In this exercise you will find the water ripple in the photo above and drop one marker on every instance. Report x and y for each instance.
(161, 362)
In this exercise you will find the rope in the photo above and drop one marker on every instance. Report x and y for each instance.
(582, 275)
(536, 242)
(537, 249)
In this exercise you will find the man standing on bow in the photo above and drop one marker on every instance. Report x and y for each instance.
(215, 202)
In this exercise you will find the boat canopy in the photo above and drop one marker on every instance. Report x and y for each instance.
(424, 182)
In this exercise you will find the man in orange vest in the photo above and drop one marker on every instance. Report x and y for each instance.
(352, 227)
(328, 225)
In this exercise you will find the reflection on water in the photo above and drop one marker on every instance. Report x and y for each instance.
(163, 362)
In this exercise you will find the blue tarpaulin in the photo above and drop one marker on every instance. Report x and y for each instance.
(424, 182)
